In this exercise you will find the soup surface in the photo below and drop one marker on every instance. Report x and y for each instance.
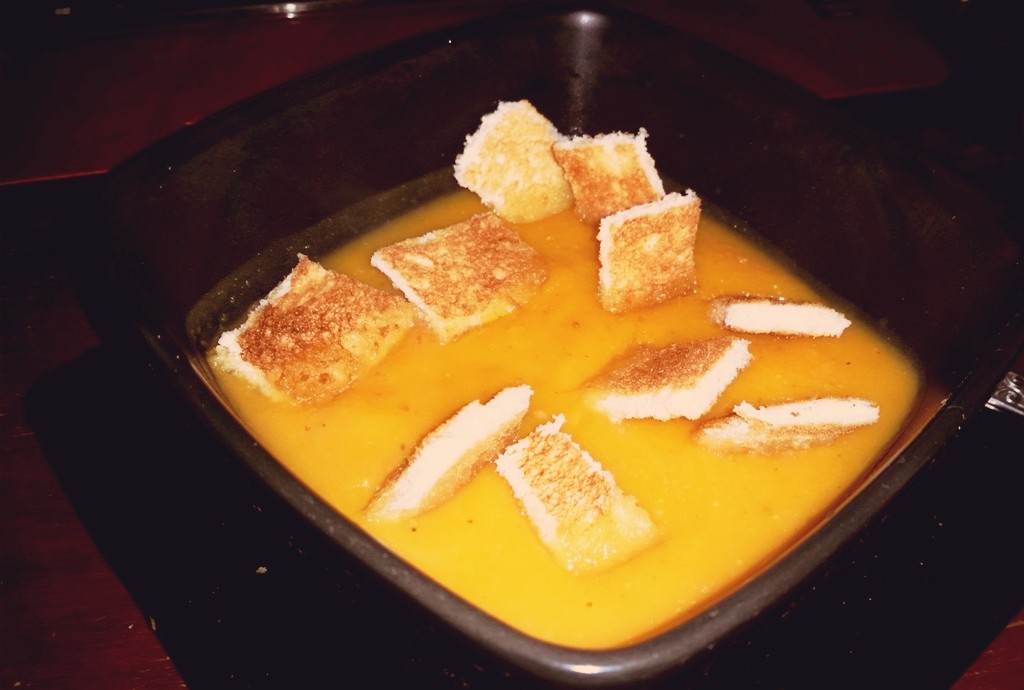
(719, 517)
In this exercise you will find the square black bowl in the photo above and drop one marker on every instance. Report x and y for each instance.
(187, 235)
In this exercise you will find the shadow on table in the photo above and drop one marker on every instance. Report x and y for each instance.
(243, 596)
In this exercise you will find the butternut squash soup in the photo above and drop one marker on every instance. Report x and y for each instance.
(719, 517)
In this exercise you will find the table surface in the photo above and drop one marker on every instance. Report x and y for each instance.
(129, 564)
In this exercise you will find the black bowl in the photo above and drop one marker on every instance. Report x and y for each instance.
(193, 231)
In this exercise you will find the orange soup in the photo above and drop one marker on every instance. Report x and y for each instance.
(719, 517)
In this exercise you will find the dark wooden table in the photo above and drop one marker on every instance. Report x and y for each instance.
(130, 558)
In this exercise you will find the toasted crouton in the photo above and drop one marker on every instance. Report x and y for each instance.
(465, 275)
(579, 512)
(448, 457)
(776, 316)
(646, 253)
(508, 163)
(608, 173)
(786, 426)
(678, 380)
(314, 334)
